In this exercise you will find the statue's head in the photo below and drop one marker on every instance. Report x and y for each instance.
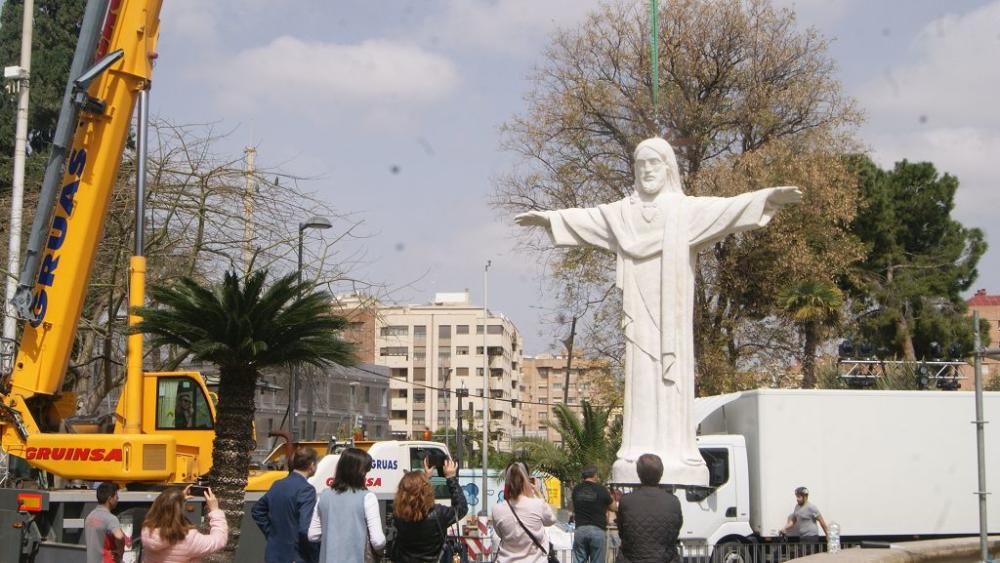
(656, 168)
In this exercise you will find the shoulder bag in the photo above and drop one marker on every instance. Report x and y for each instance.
(549, 553)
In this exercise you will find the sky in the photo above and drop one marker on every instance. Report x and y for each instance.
(390, 111)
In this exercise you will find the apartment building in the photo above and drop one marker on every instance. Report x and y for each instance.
(332, 401)
(543, 384)
(988, 307)
(435, 349)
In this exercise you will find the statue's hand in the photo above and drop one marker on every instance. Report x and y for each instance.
(532, 219)
(785, 195)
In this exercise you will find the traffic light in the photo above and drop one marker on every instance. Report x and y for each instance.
(923, 376)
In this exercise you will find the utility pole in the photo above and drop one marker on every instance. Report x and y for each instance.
(460, 394)
(486, 390)
(980, 422)
(569, 358)
(249, 191)
(20, 75)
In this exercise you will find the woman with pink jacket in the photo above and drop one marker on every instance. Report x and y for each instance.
(168, 537)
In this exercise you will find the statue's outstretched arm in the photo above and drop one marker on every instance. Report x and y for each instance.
(533, 219)
(784, 195)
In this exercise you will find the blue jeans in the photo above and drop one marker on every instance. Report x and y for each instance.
(589, 545)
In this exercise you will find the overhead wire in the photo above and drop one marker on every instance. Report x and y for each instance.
(455, 392)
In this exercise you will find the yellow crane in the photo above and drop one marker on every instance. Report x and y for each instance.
(143, 440)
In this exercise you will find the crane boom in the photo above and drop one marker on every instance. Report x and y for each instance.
(103, 97)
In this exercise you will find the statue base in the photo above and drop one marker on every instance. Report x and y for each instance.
(675, 472)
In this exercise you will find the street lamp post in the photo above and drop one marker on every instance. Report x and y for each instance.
(460, 394)
(486, 391)
(320, 223)
(353, 417)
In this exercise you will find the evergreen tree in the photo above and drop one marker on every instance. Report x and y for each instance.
(56, 28)
(919, 259)
(243, 327)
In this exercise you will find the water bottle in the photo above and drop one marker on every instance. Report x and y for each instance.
(833, 538)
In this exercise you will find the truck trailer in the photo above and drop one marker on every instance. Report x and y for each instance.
(883, 465)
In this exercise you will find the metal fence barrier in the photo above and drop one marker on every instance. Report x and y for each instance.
(772, 552)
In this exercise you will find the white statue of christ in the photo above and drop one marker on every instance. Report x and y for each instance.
(656, 234)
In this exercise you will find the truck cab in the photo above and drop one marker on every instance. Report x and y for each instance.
(721, 511)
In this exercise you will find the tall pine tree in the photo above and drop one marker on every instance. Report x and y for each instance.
(919, 260)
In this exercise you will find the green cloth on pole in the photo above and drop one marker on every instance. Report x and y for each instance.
(654, 46)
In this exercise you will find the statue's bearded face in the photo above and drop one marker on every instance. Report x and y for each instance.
(650, 172)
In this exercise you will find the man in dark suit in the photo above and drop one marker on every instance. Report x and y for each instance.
(284, 513)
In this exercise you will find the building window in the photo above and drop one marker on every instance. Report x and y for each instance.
(461, 329)
(495, 329)
(461, 350)
(395, 330)
(399, 373)
(393, 351)
(479, 372)
(419, 374)
(419, 352)
(398, 415)
(479, 329)
(402, 393)
(461, 372)
(419, 330)
(444, 331)
(419, 395)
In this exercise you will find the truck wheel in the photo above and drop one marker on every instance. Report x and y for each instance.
(733, 550)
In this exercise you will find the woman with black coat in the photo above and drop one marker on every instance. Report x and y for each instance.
(421, 525)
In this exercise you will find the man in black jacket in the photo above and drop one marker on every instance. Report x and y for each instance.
(649, 518)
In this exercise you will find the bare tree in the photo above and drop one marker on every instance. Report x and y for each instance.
(195, 228)
(748, 101)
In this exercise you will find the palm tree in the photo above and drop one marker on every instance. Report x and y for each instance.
(243, 329)
(589, 438)
(813, 305)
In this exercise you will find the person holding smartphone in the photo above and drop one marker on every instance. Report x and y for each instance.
(168, 536)
(422, 525)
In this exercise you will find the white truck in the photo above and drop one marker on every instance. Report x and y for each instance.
(391, 459)
(882, 464)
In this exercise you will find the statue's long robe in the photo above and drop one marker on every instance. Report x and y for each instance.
(657, 246)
